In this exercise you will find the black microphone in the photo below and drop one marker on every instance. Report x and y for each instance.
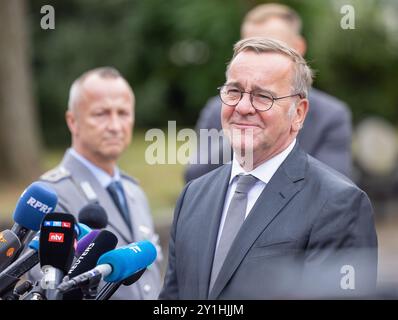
(105, 241)
(94, 216)
(56, 250)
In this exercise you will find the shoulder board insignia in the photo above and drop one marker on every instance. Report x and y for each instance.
(55, 174)
(88, 191)
(131, 179)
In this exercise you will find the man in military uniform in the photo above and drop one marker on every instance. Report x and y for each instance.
(100, 118)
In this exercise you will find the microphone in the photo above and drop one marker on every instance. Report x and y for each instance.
(115, 265)
(56, 250)
(27, 260)
(82, 230)
(9, 245)
(102, 243)
(85, 241)
(94, 216)
(34, 204)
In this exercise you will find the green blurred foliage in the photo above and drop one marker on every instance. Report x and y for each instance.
(174, 54)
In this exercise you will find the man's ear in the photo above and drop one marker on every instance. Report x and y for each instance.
(300, 45)
(70, 118)
(300, 114)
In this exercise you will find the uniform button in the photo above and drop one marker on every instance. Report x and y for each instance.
(147, 288)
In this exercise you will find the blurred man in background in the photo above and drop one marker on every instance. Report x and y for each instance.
(100, 118)
(326, 133)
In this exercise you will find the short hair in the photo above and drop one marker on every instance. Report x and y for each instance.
(102, 72)
(263, 12)
(303, 75)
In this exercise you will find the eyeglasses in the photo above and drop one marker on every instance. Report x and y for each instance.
(260, 100)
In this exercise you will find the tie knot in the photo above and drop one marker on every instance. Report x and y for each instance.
(115, 185)
(245, 183)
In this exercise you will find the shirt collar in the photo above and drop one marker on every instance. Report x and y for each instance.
(103, 177)
(266, 170)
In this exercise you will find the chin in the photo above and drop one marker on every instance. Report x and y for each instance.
(112, 153)
(243, 148)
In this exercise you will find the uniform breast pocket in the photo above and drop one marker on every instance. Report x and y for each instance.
(280, 248)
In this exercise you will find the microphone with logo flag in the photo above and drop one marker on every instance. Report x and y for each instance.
(56, 250)
(34, 204)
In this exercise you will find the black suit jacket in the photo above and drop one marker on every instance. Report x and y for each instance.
(307, 226)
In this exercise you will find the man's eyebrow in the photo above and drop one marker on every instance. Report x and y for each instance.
(258, 88)
(234, 83)
(255, 88)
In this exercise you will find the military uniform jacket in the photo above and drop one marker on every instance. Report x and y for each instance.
(76, 187)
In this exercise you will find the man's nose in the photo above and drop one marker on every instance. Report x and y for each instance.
(114, 122)
(245, 106)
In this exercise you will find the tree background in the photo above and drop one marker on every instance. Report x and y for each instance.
(174, 54)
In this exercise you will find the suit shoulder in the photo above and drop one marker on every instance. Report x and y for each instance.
(55, 175)
(329, 178)
(330, 103)
(213, 103)
(129, 178)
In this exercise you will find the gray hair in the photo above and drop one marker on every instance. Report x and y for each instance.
(102, 72)
(303, 75)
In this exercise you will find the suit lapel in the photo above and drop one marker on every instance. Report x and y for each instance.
(81, 174)
(285, 183)
(208, 230)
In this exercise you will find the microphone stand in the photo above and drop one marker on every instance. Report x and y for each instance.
(109, 289)
(89, 287)
(18, 291)
(37, 293)
(46, 288)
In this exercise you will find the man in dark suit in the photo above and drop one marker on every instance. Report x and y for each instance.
(276, 223)
(326, 134)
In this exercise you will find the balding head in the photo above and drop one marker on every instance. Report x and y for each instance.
(91, 79)
(275, 21)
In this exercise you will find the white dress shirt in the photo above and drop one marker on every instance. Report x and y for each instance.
(263, 173)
